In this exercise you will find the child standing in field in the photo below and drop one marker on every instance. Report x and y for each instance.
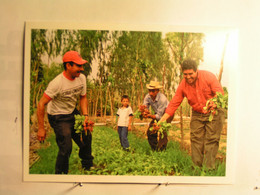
(125, 115)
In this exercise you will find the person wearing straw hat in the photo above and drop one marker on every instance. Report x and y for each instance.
(60, 98)
(158, 102)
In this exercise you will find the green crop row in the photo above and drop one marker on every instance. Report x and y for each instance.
(111, 159)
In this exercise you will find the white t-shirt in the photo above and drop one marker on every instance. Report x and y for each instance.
(124, 114)
(64, 94)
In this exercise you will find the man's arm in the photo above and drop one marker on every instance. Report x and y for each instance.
(164, 117)
(84, 107)
(40, 115)
(176, 100)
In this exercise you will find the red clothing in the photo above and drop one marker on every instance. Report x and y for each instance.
(206, 87)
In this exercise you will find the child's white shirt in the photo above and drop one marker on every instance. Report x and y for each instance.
(123, 114)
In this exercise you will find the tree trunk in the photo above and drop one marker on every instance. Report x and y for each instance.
(89, 103)
(95, 113)
(105, 111)
(163, 78)
(101, 102)
(181, 123)
(38, 94)
(34, 85)
(111, 108)
(142, 88)
(222, 60)
(134, 97)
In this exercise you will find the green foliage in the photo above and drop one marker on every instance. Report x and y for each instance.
(48, 44)
(47, 154)
(111, 159)
(133, 54)
(163, 127)
(138, 114)
(50, 72)
(182, 46)
(218, 101)
(126, 60)
(79, 121)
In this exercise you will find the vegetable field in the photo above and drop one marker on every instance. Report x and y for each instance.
(111, 159)
(119, 62)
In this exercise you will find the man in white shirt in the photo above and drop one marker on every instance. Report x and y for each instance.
(61, 97)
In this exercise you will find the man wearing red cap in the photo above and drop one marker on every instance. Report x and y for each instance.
(61, 97)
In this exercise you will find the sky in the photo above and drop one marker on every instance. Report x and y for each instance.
(214, 53)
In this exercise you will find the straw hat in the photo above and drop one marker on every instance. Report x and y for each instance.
(153, 85)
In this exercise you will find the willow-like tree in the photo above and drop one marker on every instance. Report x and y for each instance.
(52, 43)
(89, 44)
(38, 45)
(137, 58)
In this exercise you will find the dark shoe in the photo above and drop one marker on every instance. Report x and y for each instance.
(86, 168)
(126, 149)
(86, 164)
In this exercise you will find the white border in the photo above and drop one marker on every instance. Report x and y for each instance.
(230, 153)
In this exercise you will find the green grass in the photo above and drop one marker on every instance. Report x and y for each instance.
(46, 163)
(110, 159)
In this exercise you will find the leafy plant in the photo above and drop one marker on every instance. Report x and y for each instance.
(78, 126)
(110, 159)
(142, 112)
(161, 127)
(138, 114)
(219, 101)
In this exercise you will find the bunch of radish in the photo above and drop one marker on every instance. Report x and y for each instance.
(142, 112)
(213, 104)
(161, 128)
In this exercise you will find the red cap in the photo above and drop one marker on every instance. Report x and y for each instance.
(73, 56)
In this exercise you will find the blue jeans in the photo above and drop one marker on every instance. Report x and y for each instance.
(123, 132)
(63, 126)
